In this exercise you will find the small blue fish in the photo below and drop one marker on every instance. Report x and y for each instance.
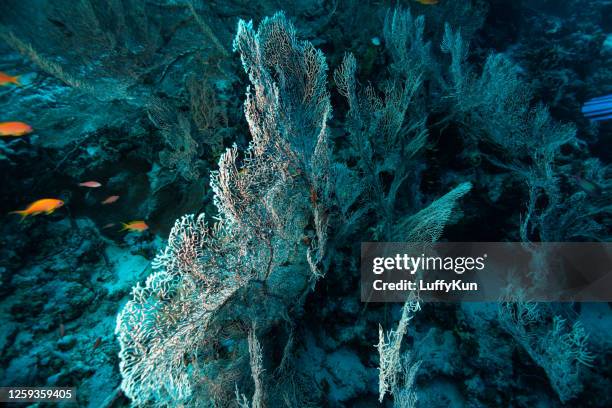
(599, 108)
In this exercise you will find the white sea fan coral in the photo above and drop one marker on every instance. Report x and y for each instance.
(267, 201)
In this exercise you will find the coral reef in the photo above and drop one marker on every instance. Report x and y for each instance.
(379, 121)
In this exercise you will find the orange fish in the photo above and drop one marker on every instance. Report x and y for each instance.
(135, 226)
(14, 129)
(90, 184)
(428, 2)
(46, 205)
(6, 79)
(110, 200)
(97, 343)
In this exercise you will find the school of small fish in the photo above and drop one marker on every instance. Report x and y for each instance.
(49, 205)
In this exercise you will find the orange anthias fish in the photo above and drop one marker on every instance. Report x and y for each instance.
(90, 184)
(110, 200)
(6, 79)
(46, 205)
(14, 129)
(135, 226)
(428, 2)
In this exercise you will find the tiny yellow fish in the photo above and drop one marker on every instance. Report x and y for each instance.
(14, 129)
(45, 205)
(139, 226)
(6, 79)
(427, 2)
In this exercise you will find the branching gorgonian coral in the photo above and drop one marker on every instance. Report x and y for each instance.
(393, 363)
(496, 107)
(386, 131)
(561, 350)
(266, 246)
(493, 107)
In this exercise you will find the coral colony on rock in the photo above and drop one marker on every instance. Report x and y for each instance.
(187, 184)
